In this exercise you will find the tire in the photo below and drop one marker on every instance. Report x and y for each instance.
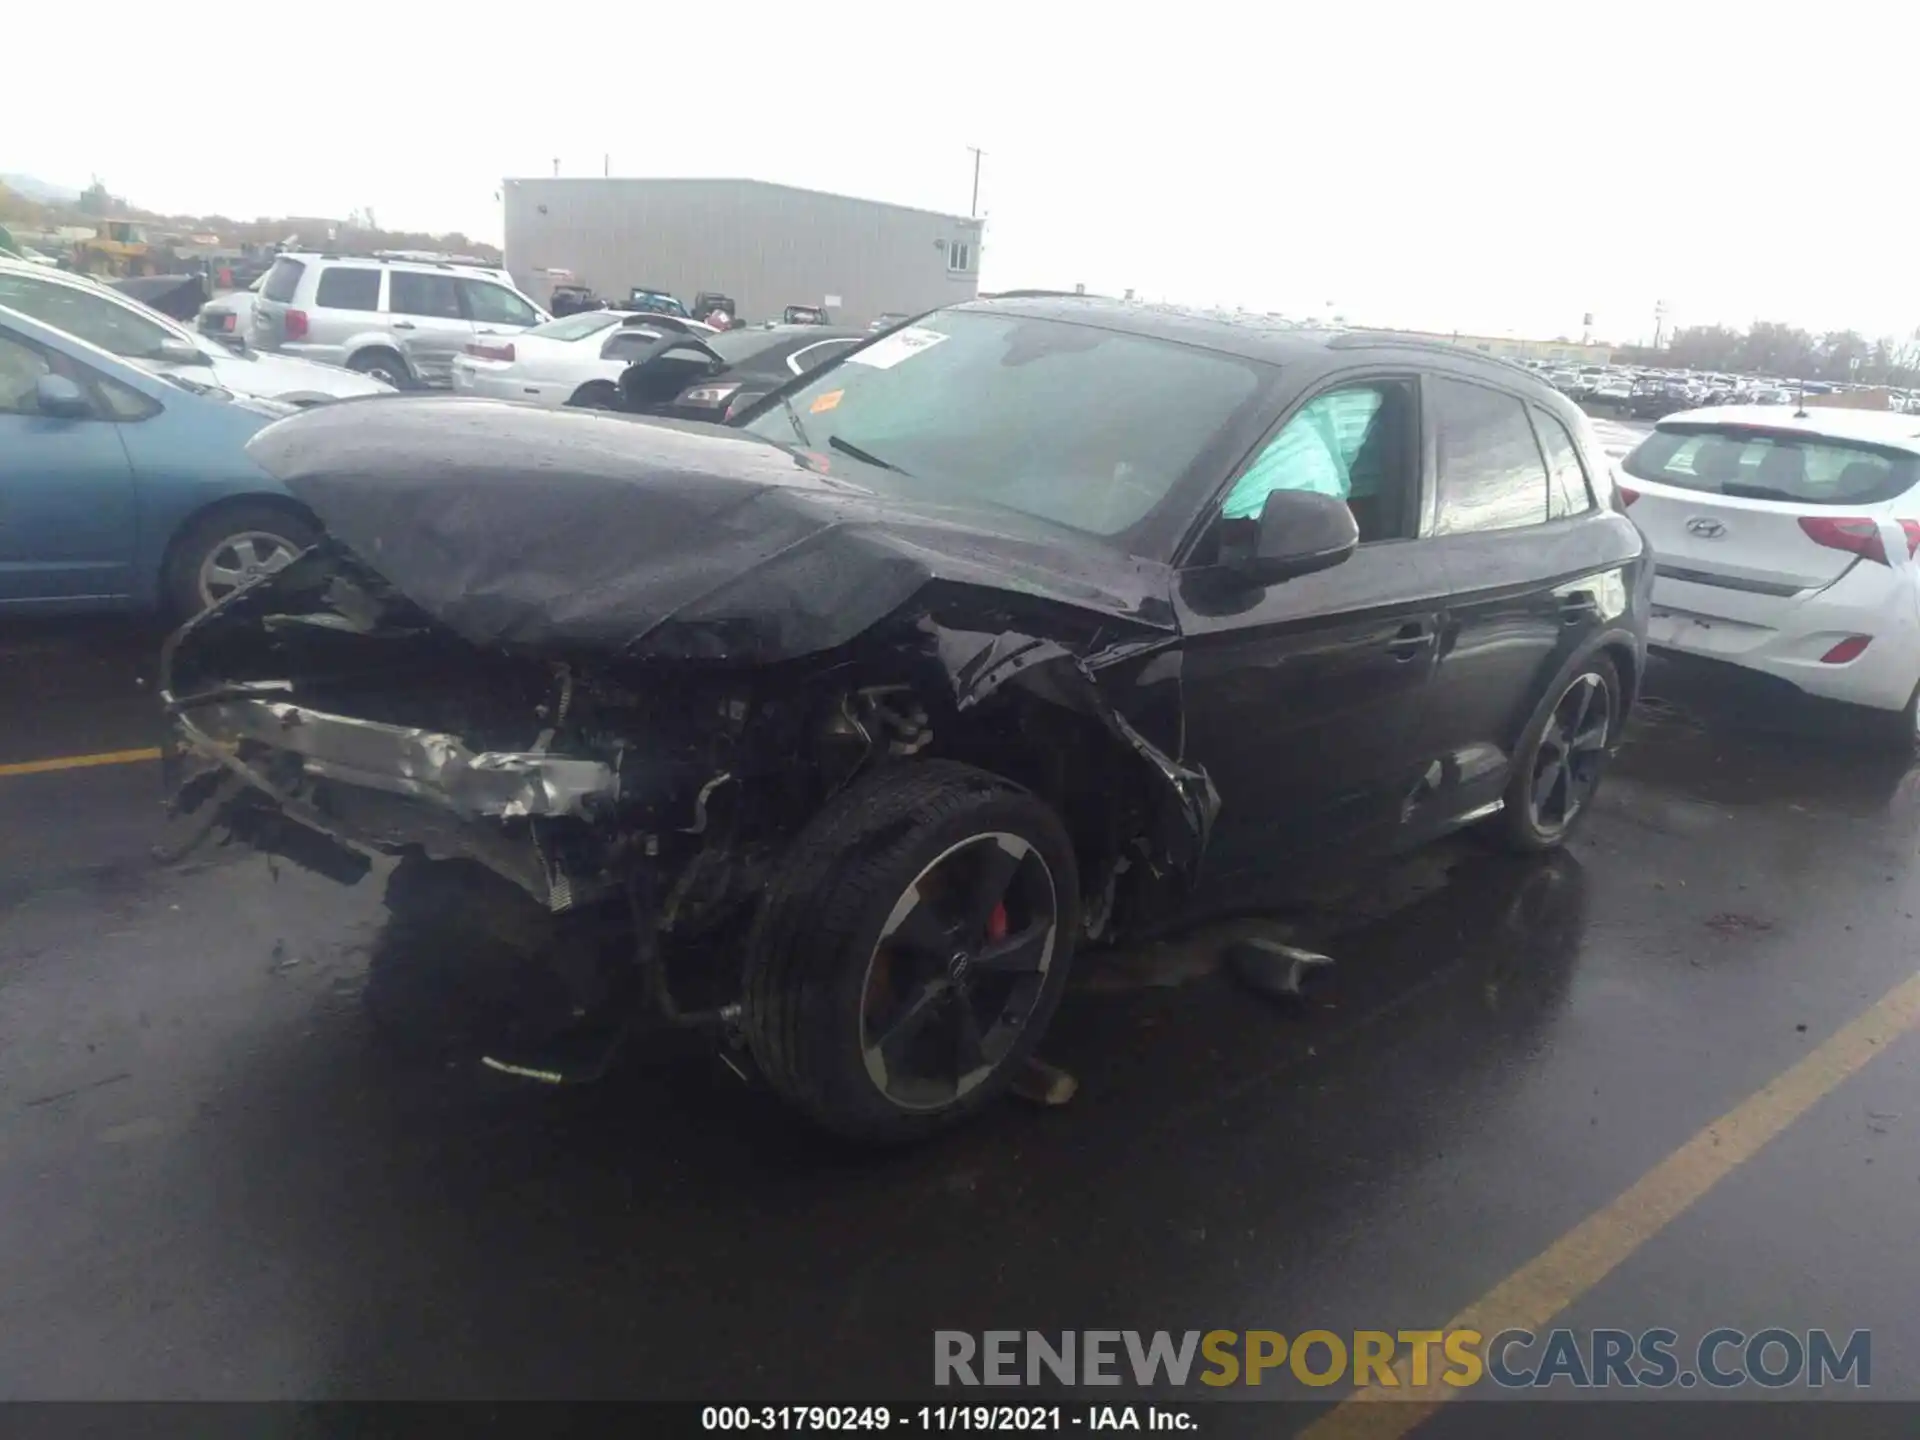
(847, 951)
(262, 537)
(387, 365)
(1529, 829)
(596, 395)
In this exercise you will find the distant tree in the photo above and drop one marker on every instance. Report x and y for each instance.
(96, 200)
(1705, 347)
(1841, 354)
(1774, 348)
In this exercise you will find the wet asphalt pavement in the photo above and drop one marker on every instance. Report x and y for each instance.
(214, 1182)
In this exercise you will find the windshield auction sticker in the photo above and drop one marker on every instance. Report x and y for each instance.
(900, 345)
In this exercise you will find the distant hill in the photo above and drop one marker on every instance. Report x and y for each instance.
(39, 190)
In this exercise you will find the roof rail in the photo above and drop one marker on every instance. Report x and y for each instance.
(1365, 339)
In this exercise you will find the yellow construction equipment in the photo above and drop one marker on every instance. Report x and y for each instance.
(118, 247)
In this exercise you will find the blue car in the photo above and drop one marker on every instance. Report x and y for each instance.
(125, 490)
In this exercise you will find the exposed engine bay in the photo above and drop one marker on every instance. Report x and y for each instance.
(328, 716)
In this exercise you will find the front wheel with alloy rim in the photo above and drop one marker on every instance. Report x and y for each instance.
(911, 951)
(228, 548)
(1558, 769)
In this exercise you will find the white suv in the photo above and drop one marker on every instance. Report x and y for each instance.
(1785, 544)
(401, 320)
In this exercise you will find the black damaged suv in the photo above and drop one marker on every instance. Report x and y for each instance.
(1033, 624)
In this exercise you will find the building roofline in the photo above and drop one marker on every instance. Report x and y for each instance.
(737, 180)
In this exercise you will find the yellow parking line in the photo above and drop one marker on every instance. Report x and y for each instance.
(79, 762)
(1586, 1254)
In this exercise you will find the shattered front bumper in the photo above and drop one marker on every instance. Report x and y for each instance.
(402, 761)
(328, 791)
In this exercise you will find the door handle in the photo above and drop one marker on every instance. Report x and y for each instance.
(403, 325)
(1410, 640)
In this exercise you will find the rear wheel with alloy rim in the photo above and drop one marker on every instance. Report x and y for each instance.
(1558, 770)
(912, 951)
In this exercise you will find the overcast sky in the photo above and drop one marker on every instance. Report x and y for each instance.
(1463, 166)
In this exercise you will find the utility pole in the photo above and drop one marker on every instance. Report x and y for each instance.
(1659, 322)
(556, 165)
(973, 210)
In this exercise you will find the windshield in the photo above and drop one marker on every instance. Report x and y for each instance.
(115, 325)
(1079, 426)
(1772, 465)
(577, 327)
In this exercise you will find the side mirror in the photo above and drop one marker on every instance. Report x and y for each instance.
(59, 398)
(1297, 533)
(173, 351)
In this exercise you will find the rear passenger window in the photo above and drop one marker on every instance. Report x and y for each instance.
(282, 280)
(1569, 494)
(347, 287)
(435, 296)
(1491, 473)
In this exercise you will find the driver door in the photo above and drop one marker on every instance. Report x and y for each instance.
(1303, 699)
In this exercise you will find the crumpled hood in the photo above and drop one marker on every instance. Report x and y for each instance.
(578, 530)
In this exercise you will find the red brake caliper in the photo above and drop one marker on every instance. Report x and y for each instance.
(997, 922)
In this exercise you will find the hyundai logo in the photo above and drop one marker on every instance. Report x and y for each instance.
(1706, 529)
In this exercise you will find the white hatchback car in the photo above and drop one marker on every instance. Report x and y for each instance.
(1785, 544)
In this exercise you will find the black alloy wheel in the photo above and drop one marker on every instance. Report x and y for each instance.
(1556, 775)
(911, 948)
(957, 970)
(1572, 752)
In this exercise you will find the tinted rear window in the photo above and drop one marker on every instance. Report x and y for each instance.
(1763, 465)
(347, 287)
(282, 280)
(737, 346)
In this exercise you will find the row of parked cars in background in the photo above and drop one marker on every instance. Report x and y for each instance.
(1648, 393)
(123, 468)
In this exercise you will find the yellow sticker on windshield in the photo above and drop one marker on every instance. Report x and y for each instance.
(825, 402)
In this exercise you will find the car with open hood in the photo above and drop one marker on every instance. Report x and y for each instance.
(839, 729)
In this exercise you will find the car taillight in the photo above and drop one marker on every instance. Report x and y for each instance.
(1851, 648)
(1855, 536)
(1627, 495)
(226, 322)
(480, 350)
(296, 324)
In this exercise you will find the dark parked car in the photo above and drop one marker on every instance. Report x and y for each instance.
(646, 298)
(703, 377)
(840, 729)
(1655, 396)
